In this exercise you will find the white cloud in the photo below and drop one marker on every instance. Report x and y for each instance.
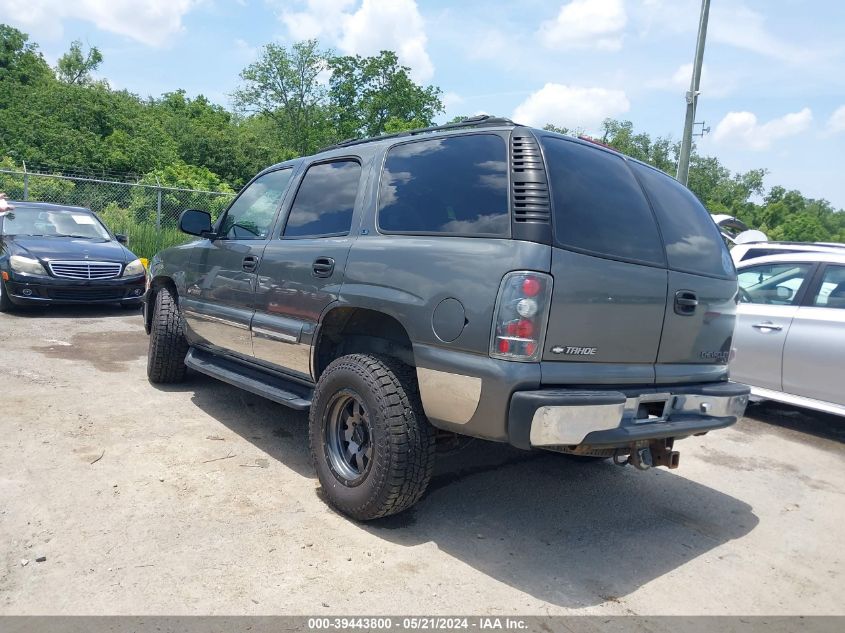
(245, 51)
(571, 106)
(374, 26)
(595, 24)
(741, 129)
(683, 76)
(451, 99)
(732, 23)
(739, 26)
(489, 44)
(836, 122)
(152, 22)
(679, 82)
(319, 18)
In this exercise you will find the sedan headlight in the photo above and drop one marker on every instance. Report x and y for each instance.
(26, 265)
(133, 269)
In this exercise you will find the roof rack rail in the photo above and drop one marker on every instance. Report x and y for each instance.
(474, 121)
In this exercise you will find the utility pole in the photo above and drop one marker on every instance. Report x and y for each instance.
(692, 95)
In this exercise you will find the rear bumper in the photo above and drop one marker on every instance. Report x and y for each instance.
(50, 290)
(609, 418)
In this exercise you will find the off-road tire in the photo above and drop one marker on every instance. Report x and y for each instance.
(403, 447)
(168, 346)
(6, 304)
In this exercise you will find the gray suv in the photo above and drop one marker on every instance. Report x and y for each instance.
(483, 279)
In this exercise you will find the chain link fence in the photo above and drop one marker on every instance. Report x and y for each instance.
(147, 214)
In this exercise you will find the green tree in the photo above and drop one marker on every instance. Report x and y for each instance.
(74, 67)
(800, 227)
(369, 96)
(184, 189)
(284, 85)
(661, 152)
(550, 127)
(21, 62)
(42, 189)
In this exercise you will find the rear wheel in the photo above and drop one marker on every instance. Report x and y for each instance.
(371, 443)
(168, 346)
(6, 304)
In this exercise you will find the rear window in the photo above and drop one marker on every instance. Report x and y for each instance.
(455, 185)
(693, 242)
(598, 206)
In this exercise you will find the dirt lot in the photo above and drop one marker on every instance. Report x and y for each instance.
(201, 499)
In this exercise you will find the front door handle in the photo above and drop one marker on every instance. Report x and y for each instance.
(250, 263)
(686, 302)
(768, 325)
(323, 267)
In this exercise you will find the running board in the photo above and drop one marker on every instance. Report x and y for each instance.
(255, 381)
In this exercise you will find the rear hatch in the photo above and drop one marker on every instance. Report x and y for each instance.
(701, 299)
(643, 284)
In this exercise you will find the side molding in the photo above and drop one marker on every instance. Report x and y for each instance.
(448, 397)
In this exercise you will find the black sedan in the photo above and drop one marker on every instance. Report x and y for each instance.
(59, 254)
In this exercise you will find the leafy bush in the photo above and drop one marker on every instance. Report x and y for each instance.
(144, 239)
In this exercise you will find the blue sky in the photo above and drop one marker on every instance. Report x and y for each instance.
(773, 90)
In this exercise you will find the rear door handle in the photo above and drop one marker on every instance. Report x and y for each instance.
(686, 302)
(323, 267)
(250, 263)
(768, 325)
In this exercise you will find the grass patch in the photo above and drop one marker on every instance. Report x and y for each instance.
(145, 240)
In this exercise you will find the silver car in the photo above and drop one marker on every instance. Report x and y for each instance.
(790, 329)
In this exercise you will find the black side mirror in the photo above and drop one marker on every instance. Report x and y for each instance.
(196, 222)
(120, 237)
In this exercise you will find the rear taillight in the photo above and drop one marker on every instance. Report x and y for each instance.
(519, 320)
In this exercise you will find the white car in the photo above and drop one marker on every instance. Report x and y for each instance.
(743, 251)
(790, 329)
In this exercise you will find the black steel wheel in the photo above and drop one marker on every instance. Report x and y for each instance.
(348, 436)
(371, 443)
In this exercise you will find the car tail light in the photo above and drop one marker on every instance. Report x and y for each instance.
(519, 320)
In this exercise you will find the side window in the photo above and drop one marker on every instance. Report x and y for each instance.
(599, 207)
(454, 185)
(693, 242)
(831, 293)
(775, 284)
(326, 198)
(251, 215)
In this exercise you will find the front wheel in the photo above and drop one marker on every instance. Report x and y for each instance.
(168, 346)
(371, 443)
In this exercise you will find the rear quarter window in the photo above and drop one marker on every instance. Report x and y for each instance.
(692, 239)
(455, 185)
(599, 207)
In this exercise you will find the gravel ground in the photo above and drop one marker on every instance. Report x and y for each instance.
(200, 498)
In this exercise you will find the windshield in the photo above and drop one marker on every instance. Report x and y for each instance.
(55, 222)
